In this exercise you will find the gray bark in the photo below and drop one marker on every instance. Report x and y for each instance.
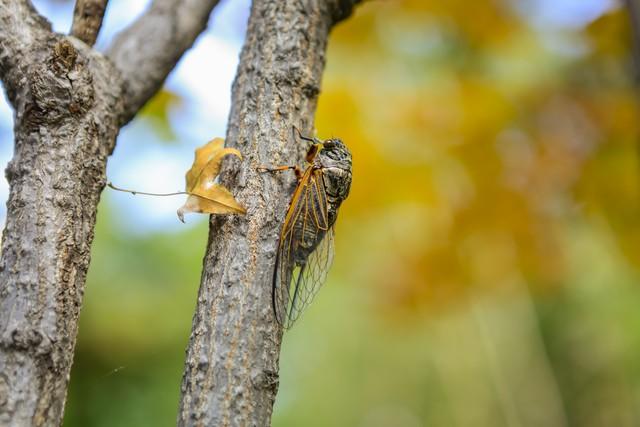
(87, 19)
(69, 102)
(231, 368)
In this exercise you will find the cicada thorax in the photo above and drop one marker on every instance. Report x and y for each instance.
(331, 170)
(335, 163)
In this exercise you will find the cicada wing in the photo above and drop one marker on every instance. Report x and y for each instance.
(285, 264)
(318, 200)
(305, 251)
(287, 247)
(309, 277)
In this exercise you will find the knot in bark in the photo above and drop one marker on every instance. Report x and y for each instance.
(24, 339)
(64, 56)
(266, 379)
(61, 87)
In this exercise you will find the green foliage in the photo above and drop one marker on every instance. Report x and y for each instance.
(156, 112)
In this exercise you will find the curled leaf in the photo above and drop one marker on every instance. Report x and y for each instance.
(205, 196)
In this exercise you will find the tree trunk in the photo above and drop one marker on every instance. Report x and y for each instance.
(69, 102)
(61, 146)
(231, 369)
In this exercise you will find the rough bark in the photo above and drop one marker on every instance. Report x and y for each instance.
(62, 140)
(231, 368)
(87, 19)
(69, 105)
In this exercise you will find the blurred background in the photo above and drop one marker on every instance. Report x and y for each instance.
(487, 260)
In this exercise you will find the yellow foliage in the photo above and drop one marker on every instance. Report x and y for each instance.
(500, 135)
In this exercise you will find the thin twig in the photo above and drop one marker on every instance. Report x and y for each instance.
(143, 193)
(87, 19)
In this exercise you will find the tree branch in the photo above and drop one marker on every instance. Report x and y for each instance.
(87, 19)
(633, 9)
(22, 30)
(231, 368)
(146, 52)
(65, 127)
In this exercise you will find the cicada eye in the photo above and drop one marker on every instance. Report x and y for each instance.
(329, 144)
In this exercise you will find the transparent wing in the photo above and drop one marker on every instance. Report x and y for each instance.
(307, 279)
(305, 252)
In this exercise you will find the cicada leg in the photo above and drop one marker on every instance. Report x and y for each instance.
(301, 136)
(296, 170)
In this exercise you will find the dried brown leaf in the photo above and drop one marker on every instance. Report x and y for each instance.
(205, 196)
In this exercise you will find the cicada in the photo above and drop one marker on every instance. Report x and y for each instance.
(305, 249)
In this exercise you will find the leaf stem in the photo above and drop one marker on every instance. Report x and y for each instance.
(177, 193)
